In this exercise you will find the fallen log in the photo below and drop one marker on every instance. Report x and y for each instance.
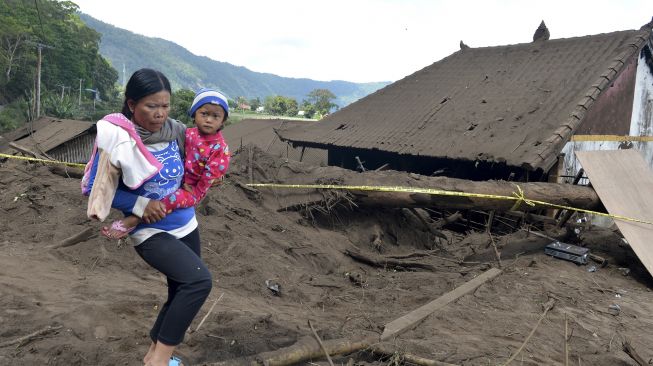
(66, 172)
(555, 193)
(305, 349)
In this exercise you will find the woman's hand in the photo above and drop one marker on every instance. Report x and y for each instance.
(154, 211)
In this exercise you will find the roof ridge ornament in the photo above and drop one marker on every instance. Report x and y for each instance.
(542, 33)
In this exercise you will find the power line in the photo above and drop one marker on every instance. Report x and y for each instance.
(38, 13)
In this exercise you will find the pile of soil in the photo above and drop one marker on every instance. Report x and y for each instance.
(93, 302)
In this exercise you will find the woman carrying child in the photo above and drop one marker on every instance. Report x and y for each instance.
(207, 159)
(137, 162)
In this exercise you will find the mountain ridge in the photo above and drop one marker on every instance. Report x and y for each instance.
(187, 70)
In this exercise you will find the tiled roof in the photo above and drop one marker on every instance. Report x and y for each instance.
(516, 104)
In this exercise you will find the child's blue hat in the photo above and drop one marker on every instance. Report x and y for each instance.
(212, 96)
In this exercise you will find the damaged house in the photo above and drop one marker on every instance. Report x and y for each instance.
(261, 132)
(53, 138)
(507, 112)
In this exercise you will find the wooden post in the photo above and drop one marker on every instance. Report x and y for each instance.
(488, 228)
(567, 215)
(38, 82)
(410, 320)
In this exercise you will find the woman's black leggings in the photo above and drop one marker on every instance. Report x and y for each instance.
(189, 282)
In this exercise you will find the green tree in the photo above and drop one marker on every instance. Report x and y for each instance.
(232, 104)
(72, 53)
(281, 106)
(14, 33)
(309, 109)
(255, 103)
(291, 107)
(180, 105)
(321, 99)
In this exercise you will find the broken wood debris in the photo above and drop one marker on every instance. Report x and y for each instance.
(80, 237)
(426, 224)
(630, 351)
(496, 250)
(319, 341)
(308, 348)
(26, 338)
(381, 349)
(547, 306)
(388, 263)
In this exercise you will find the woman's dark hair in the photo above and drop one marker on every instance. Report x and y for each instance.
(142, 83)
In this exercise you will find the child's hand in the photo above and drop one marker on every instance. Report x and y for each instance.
(154, 211)
(188, 187)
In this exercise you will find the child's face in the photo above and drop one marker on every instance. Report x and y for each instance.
(209, 118)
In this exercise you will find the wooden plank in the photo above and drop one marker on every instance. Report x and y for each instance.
(624, 182)
(410, 320)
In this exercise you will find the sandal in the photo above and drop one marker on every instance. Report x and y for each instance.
(117, 230)
(175, 361)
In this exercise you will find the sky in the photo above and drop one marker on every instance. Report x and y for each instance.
(357, 40)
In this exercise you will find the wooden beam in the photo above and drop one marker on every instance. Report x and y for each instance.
(26, 151)
(410, 320)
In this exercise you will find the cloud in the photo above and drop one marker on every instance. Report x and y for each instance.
(362, 40)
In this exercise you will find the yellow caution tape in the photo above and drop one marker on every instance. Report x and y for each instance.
(517, 196)
(42, 160)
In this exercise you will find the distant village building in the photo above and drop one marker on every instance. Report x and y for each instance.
(506, 112)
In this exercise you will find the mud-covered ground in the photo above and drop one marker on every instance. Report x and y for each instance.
(93, 302)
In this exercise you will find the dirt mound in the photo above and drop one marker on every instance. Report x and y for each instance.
(99, 299)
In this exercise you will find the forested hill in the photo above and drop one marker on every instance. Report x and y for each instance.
(186, 70)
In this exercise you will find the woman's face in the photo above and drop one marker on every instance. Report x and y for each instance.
(151, 112)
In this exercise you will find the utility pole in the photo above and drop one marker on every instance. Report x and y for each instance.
(96, 96)
(63, 88)
(39, 46)
(38, 83)
(79, 101)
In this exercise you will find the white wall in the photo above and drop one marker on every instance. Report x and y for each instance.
(641, 125)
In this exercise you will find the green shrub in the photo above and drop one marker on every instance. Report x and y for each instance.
(55, 106)
(14, 115)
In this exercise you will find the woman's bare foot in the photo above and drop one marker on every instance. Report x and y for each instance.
(161, 355)
(149, 353)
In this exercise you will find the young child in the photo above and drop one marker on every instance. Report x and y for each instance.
(207, 159)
